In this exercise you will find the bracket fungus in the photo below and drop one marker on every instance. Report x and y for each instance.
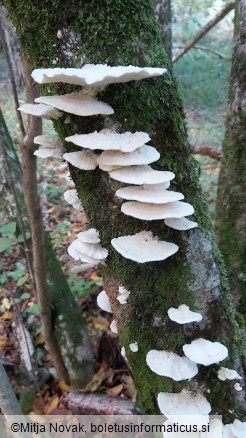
(134, 347)
(76, 103)
(103, 302)
(228, 374)
(139, 175)
(238, 387)
(123, 295)
(95, 74)
(149, 212)
(85, 160)
(87, 252)
(113, 326)
(143, 247)
(53, 147)
(183, 315)
(110, 140)
(143, 155)
(181, 224)
(169, 364)
(183, 403)
(205, 352)
(40, 110)
(89, 236)
(139, 193)
(72, 198)
(237, 429)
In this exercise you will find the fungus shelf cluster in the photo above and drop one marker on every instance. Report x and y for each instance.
(127, 158)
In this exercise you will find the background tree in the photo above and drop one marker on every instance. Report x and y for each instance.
(121, 34)
(163, 14)
(231, 202)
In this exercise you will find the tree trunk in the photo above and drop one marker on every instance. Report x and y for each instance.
(211, 23)
(163, 14)
(122, 33)
(231, 203)
(8, 402)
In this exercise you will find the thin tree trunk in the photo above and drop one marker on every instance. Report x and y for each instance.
(12, 76)
(231, 202)
(217, 18)
(109, 32)
(8, 402)
(163, 14)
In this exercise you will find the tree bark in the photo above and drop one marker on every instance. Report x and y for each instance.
(231, 202)
(218, 17)
(121, 34)
(8, 402)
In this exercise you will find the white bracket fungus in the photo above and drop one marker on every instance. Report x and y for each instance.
(149, 212)
(103, 302)
(143, 247)
(123, 352)
(85, 160)
(134, 347)
(183, 315)
(143, 155)
(53, 147)
(76, 103)
(113, 326)
(72, 198)
(181, 224)
(87, 252)
(124, 294)
(110, 140)
(183, 403)
(169, 364)
(96, 75)
(228, 374)
(139, 193)
(238, 387)
(237, 429)
(205, 352)
(89, 236)
(141, 175)
(40, 110)
(49, 153)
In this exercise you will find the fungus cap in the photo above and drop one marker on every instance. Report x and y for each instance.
(143, 247)
(183, 403)
(139, 175)
(181, 224)
(113, 326)
(74, 250)
(183, 315)
(84, 160)
(93, 250)
(205, 352)
(143, 155)
(123, 295)
(95, 74)
(89, 236)
(169, 364)
(71, 197)
(40, 110)
(110, 140)
(49, 153)
(76, 103)
(228, 374)
(134, 347)
(140, 194)
(149, 212)
(49, 141)
(238, 428)
(238, 387)
(103, 302)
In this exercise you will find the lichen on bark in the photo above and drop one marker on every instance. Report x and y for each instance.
(123, 33)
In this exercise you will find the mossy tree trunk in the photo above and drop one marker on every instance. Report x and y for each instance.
(231, 203)
(122, 33)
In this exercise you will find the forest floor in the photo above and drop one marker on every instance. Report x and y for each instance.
(205, 102)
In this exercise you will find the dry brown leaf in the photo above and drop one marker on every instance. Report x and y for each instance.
(64, 387)
(51, 404)
(115, 390)
(7, 316)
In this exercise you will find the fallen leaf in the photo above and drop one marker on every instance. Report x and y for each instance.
(115, 390)
(96, 381)
(6, 304)
(51, 404)
(38, 405)
(7, 316)
(3, 341)
(39, 340)
(94, 277)
(64, 387)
